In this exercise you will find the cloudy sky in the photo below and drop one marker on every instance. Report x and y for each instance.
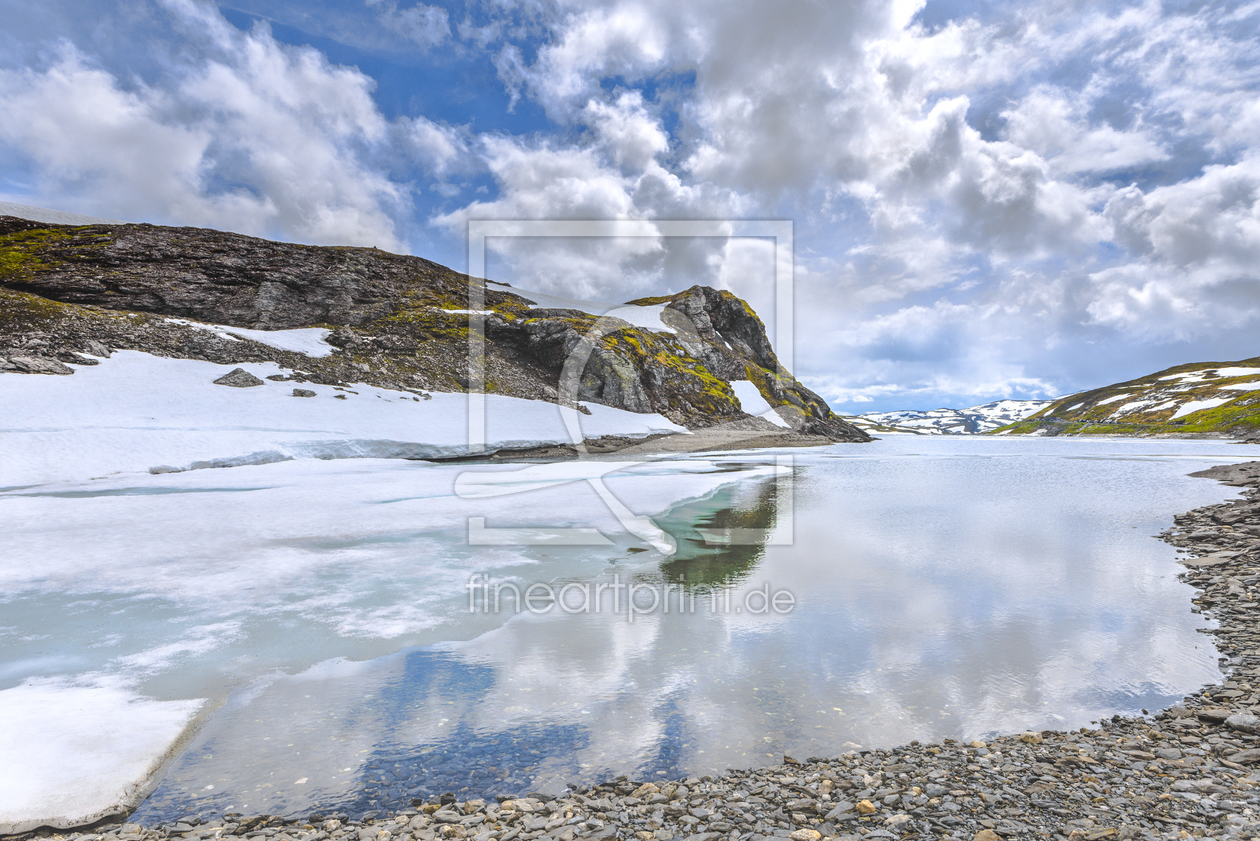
(990, 199)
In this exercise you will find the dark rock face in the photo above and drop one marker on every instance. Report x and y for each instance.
(395, 321)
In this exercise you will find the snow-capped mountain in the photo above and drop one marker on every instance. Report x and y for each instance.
(972, 421)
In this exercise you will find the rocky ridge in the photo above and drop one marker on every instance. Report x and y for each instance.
(1190, 771)
(71, 294)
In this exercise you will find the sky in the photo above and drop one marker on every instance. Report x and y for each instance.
(989, 200)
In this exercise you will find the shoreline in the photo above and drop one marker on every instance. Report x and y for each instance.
(722, 438)
(1190, 770)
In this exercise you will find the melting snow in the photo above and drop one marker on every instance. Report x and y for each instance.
(309, 341)
(1199, 405)
(135, 412)
(1135, 405)
(1118, 397)
(751, 401)
(646, 316)
(78, 751)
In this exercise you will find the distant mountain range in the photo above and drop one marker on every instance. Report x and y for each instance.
(1201, 398)
(973, 421)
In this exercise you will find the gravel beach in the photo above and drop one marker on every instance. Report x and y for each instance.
(1191, 770)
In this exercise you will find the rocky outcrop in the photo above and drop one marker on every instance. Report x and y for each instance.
(69, 294)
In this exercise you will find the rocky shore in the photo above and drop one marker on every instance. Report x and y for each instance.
(1190, 771)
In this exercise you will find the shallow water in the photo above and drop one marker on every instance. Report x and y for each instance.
(940, 587)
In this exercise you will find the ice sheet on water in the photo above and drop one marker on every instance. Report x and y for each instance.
(174, 586)
(74, 753)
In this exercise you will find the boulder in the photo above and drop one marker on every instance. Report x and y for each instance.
(238, 378)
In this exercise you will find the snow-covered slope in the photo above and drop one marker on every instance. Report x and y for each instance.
(972, 421)
(140, 413)
(1199, 398)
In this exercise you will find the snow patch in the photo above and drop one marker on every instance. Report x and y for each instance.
(1135, 405)
(751, 401)
(308, 341)
(72, 754)
(1200, 405)
(134, 412)
(646, 316)
(1115, 399)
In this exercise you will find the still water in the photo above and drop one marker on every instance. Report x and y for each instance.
(927, 588)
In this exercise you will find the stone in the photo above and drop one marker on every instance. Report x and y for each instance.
(840, 808)
(303, 392)
(805, 835)
(865, 807)
(1213, 714)
(238, 378)
(986, 835)
(1245, 722)
(39, 365)
(1214, 559)
(1246, 757)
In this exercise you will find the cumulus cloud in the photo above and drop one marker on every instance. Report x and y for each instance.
(985, 203)
(260, 138)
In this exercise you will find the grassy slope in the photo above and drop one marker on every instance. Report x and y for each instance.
(1099, 412)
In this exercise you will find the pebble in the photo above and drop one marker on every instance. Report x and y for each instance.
(1191, 771)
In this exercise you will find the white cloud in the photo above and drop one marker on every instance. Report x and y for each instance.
(995, 199)
(260, 138)
(1055, 125)
(628, 134)
(427, 26)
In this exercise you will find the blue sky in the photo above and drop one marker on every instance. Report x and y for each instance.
(990, 200)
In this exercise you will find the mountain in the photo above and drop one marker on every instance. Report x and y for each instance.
(1201, 398)
(977, 419)
(70, 295)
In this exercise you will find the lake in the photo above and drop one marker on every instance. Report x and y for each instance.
(345, 633)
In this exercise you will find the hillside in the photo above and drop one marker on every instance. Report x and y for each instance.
(1201, 398)
(70, 295)
(972, 421)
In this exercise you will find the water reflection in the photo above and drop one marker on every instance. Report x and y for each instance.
(720, 540)
(1040, 602)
